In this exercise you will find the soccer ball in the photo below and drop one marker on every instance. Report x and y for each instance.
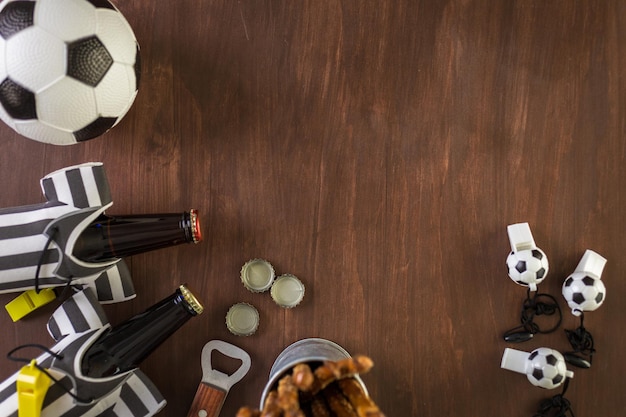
(546, 368)
(527, 267)
(69, 69)
(583, 292)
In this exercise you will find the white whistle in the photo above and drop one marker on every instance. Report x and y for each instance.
(520, 237)
(583, 289)
(527, 264)
(592, 263)
(544, 367)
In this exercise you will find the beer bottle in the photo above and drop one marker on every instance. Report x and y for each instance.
(116, 237)
(125, 346)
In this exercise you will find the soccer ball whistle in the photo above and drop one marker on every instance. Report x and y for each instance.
(544, 367)
(584, 291)
(528, 266)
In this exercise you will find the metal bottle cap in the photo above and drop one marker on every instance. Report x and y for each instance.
(242, 319)
(191, 299)
(287, 291)
(257, 275)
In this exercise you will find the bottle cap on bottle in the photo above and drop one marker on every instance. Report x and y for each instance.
(191, 299)
(287, 291)
(196, 232)
(242, 319)
(257, 275)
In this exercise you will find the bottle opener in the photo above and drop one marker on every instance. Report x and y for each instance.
(215, 384)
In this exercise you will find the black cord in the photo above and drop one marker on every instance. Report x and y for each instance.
(582, 343)
(45, 371)
(53, 232)
(558, 405)
(531, 308)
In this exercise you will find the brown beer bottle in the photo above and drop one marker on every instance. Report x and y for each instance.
(125, 346)
(120, 236)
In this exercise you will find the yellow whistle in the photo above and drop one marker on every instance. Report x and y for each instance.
(32, 385)
(28, 302)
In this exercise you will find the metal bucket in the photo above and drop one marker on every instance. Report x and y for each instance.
(305, 350)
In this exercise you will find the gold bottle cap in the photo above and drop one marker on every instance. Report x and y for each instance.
(287, 291)
(242, 319)
(257, 275)
(191, 299)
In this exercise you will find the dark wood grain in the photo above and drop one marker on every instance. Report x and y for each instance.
(207, 402)
(376, 150)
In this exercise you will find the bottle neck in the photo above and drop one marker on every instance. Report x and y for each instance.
(121, 236)
(128, 344)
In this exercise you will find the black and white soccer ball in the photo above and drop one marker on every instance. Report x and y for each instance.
(546, 368)
(69, 69)
(583, 292)
(527, 267)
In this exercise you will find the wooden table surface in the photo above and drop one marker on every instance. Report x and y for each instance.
(378, 151)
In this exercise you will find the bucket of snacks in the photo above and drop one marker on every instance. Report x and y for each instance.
(316, 377)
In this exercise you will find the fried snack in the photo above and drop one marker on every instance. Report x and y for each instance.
(339, 404)
(328, 391)
(294, 413)
(361, 402)
(271, 407)
(302, 376)
(345, 368)
(319, 407)
(248, 412)
(287, 394)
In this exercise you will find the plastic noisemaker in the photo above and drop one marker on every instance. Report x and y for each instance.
(32, 384)
(583, 289)
(544, 367)
(29, 301)
(527, 264)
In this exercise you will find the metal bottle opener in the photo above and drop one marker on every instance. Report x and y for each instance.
(215, 384)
